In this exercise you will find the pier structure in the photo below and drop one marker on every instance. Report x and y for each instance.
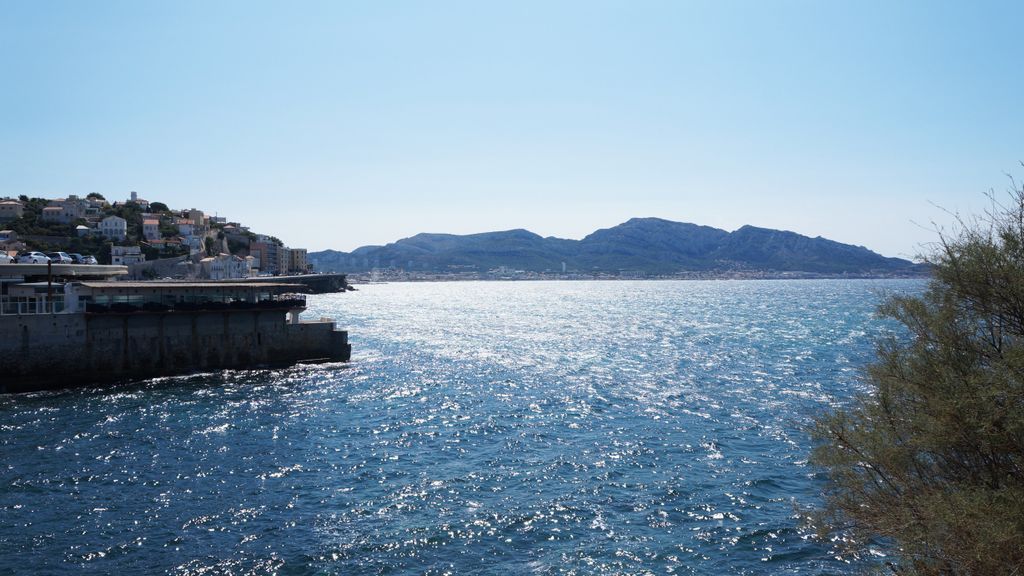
(78, 327)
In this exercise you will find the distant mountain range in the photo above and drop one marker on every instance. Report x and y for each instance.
(642, 245)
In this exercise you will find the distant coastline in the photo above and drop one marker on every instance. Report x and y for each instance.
(639, 248)
(384, 276)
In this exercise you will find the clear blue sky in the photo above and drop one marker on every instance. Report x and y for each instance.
(337, 124)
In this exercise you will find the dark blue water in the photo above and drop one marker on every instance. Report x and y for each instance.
(483, 428)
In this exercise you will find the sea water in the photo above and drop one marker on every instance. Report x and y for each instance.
(481, 428)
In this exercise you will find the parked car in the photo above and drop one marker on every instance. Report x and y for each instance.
(32, 258)
(6, 258)
(60, 258)
(82, 259)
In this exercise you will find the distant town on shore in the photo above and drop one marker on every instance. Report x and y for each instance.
(152, 239)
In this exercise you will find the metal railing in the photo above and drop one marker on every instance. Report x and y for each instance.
(14, 305)
(284, 301)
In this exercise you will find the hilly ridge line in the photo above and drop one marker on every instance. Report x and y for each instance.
(645, 246)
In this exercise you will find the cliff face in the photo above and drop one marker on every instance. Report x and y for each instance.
(648, 245)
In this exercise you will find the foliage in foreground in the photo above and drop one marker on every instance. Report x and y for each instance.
(932, 462)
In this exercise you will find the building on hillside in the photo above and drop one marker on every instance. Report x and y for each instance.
(95, 207)
(66, 210)
(267, 255)
(151, 228)
(297, 260)
(235, 232)
(9, 243)
(82, 231)
(142, 202)
(169, 244)
(194, 243)
(56, 215)
(225, 267)
(282, 260)
(125, 255)
(165, 244)
(114, 227)
(185, 226)
(196, 216)
(11, 209)
(191, 234)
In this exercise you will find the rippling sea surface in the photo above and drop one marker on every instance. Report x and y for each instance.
(481, 428)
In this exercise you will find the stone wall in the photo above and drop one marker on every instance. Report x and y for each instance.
(61, 350)
(164, 267)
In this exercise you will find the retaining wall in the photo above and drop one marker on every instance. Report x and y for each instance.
(61, 350)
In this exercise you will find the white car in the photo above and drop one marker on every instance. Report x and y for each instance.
(32, 258)
(6, 258)
(60, 258)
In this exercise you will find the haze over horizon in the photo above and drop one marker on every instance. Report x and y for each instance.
(335, 125)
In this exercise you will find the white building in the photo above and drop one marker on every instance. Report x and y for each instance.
(125, 255)
(225, 267)
(114, 227)
(151, 228)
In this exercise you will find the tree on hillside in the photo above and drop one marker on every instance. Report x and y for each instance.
(158, 207)
(95, 196)
(31, 221)
(931, 463)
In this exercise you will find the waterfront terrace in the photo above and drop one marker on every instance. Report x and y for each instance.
(105, 331)
(135, 297)
(98, 297)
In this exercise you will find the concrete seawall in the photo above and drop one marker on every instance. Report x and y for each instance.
(45, 351)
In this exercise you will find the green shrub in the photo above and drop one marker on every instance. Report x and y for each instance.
(931, 463)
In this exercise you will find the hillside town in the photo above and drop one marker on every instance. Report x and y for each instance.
(150, 238)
